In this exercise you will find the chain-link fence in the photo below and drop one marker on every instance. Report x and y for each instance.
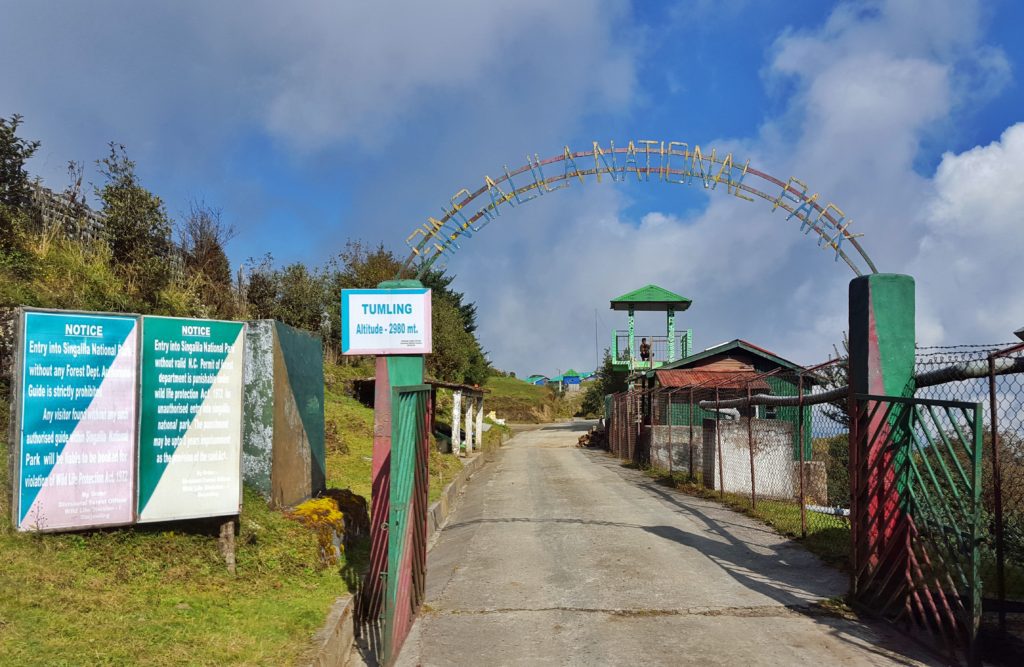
(777, 445)
(1002, 493)
(777, 454)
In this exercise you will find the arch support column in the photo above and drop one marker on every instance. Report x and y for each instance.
(881, 363)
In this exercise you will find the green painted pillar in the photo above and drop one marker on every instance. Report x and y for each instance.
(882, 336)
(688, 346)
(671, 315)
(391, 371)
(632, 329)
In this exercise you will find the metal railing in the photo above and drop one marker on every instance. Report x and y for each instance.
(659, 348)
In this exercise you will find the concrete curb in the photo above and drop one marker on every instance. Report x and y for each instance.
(332, 644)
(437, 513)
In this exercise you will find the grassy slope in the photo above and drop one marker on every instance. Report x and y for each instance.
(130, 596)
(520, 402)
(162, 597)
(350, 438)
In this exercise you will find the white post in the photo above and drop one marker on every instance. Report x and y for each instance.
(456, 421)
(480, 422)
(469, 425)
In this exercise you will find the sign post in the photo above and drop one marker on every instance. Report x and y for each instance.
(394, 323)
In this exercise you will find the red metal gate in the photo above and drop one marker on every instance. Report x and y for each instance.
(394, 587)
(915, 471)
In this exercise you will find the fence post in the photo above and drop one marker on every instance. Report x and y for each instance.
(690, 419)
(800, 445)
(718, 438)
(750, 446)
(480, 422)
(881, 363)
(469, 425)
(997, 491)
(668, 422)
(457, 422)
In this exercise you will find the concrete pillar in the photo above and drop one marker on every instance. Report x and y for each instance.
(480, 422)
(457, 421)
(469, 425)
(671, 316)
(632, 330)
(881, 363)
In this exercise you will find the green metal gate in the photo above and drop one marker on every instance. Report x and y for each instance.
(405, 577)
(916, 474)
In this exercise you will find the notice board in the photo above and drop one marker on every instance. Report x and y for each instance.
(190, 442)
(75, 420)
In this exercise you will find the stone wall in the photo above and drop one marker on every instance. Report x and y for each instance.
(673, 442)
(773, 457)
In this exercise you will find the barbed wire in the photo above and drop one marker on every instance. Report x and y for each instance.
(993, 346)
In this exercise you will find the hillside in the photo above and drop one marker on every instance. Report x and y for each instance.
(517, 401)
(162, 596)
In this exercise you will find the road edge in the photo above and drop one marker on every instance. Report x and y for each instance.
(332, 644)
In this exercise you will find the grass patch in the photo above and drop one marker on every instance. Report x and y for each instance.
(827, 536)
(161, 597)
(349, 429)
(521, 402)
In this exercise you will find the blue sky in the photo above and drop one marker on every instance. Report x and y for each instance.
(317, 122)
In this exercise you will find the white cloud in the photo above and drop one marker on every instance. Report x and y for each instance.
(866, 89)
(463, 90)
(180, 81)
(971, 244)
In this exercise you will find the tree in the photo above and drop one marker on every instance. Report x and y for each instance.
(202, 237)
(607, 381)
(15, 186)
(440, 286)
(303, 297)
(261, 288)
(136, 226)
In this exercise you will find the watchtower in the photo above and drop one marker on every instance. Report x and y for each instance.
(663, 348)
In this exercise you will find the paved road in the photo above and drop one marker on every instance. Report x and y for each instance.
(560, 556)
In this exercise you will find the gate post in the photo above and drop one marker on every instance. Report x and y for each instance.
(457, 422)
(391, 371)
(881, 363)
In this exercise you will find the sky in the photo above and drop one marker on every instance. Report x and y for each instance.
(312, 123)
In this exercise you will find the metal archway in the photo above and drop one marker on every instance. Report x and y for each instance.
(439, 237)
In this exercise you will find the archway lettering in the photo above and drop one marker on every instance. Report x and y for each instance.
(672, 163)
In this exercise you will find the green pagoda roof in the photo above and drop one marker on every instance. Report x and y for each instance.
(651, 297)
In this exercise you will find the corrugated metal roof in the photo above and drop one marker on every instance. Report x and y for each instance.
(711, 379)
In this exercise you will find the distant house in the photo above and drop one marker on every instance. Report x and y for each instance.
(539, 380)
(567, 381)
